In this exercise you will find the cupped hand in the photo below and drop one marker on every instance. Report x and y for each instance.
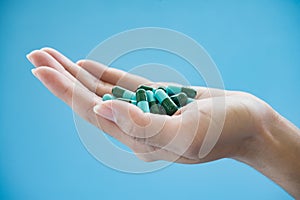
(153, 137)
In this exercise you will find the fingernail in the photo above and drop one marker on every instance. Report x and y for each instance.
(104, 111)
(33, 71)
(28, 56)
(80, 62)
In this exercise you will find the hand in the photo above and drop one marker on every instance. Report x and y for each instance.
(60, 75)
(157, 137)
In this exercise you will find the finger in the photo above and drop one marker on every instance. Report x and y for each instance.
(88, 80)
(64, 61)
(80, 100)
(77, 98)
(40, 58)
(112, 75)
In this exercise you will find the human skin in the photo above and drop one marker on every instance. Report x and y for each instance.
(252, 133)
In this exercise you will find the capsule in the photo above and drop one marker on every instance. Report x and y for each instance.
(165, 101)
(107, 97)
(146, 87)
(127, 100)
(141, 99)
(120, 92)
(180, 99)
(162, 88)
(172, 89)
(153, 105)
(189, 100)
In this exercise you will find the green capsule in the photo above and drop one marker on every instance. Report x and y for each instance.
(162, 88)
(162, 110)
(172, 89)
(120, 92)
(127, 100)
(146, 87)
(153, 105)
(180, 99)
(141, 99)
(107, 97)
(165, 101)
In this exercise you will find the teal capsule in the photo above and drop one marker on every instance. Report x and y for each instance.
(165, 101)
(180, 99)
(120, 92)
(127, 100)
(190, 100)
(146, 87)
(153, 105)
(163, 88)
(141, 99)
(172, 89)
(107, 97)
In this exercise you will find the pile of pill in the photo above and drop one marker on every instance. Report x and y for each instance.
(161, 100)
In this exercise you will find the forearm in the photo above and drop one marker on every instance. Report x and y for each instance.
(275, 152)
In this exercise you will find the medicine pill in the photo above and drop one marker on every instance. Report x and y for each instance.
(127, 100)
(107, 97)
(146, 87)
(165, 101)
(141, 99)
(172, 89)
(153, 104)
(180, 99)
(120, 92)
(162, 100)
(162, 88)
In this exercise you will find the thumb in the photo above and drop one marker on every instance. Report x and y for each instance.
(131, 119)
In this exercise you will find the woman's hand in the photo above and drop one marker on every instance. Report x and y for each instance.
(150, 136)
(153, 137)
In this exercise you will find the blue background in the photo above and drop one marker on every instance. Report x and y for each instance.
(256, 45)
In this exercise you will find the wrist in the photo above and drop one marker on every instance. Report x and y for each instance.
(256, 136)
(274, 149)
